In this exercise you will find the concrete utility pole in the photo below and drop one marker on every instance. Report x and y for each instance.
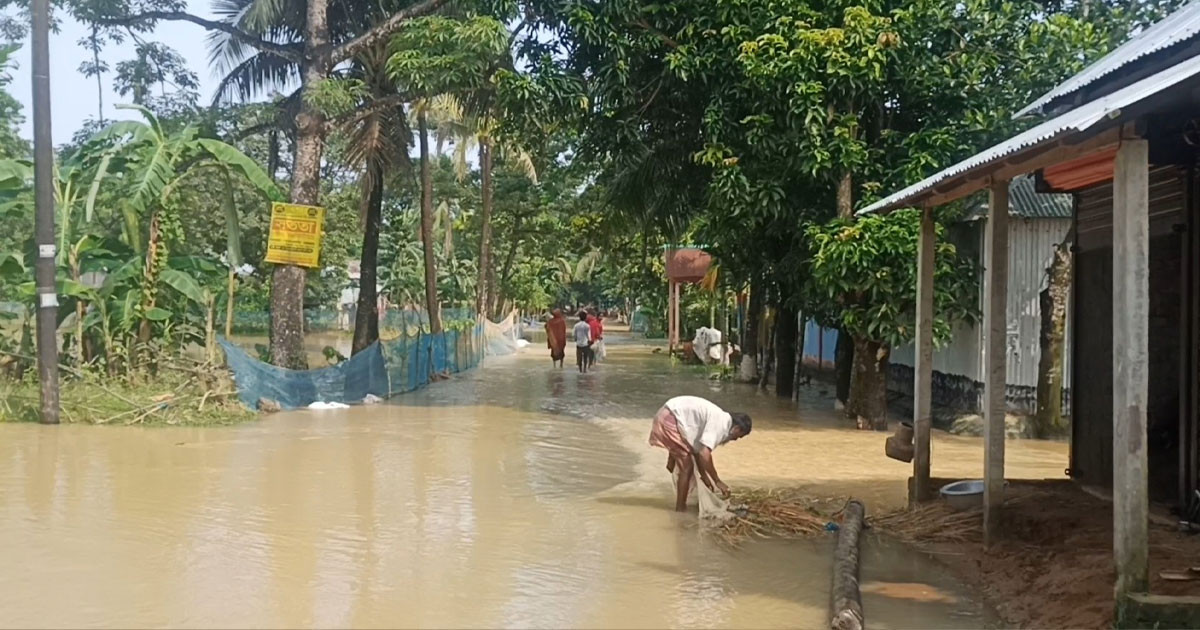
(43, 182)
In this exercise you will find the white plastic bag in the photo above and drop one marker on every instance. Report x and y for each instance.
(712, 506)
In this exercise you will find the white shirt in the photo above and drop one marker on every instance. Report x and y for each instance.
(701, 423)
(583, 334)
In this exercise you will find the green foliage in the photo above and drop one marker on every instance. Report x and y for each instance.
(866, 272)
(436, 54)
(119, 195)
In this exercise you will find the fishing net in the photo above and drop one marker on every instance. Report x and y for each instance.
(388, 367)
(502, 336)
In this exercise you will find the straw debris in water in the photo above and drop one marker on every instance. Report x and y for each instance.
(776, 514)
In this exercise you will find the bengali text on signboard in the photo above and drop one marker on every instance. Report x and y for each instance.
(295, 237)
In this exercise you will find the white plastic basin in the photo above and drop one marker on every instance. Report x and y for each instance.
(964, 495)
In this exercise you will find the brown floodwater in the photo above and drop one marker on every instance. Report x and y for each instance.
(511, 496)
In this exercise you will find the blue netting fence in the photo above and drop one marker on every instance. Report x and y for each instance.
(385, 368)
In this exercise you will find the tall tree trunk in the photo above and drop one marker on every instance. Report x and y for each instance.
(366, 317)
(845, 196)
(496, 302)
(511, 258)
(772, 328)
(843, 365)
(482, 296)
(287, 281)
(843, 362)
(431, 292)
(797, 378)
(785, 352)
(273, 153)
(748, 371)
(868, 391)
(1048, 422)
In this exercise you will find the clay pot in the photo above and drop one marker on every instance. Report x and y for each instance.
(904, 433)
(897, 450)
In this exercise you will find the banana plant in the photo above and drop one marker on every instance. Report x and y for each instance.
(160, 162)
(128, 172)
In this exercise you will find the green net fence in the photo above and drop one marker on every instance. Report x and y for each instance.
(386, 368)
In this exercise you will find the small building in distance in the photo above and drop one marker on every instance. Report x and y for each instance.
(1038, 224)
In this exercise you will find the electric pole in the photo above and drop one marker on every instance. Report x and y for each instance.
(43, 184)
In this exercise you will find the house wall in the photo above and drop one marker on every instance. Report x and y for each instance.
(958, 364)
(1091, 427)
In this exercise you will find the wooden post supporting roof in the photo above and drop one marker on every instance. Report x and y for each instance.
(1130, 387)
(995, 326)
(671, 337)
(923, 370)
(675, 315)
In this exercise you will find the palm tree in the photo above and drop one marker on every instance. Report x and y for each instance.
(305, 40)
(475, 127)
(377, 140)
(421, 109)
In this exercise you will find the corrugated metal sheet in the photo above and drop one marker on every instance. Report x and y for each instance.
(1068, 124)
(1093, 228)
(961, 356)
(1179, 27)
(1025, 201)
(1031, 245)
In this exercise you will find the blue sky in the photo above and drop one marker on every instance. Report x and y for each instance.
(73, 96)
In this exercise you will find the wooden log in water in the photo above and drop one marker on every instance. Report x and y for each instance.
(846, 611)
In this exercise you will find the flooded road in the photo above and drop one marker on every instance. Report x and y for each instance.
(513, 495)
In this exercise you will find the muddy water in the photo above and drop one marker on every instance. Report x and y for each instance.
(513, 496)
(314, 345)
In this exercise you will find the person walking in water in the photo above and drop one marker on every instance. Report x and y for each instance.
(556, 337)
(583, 342)
(689, 428)
(597, 336)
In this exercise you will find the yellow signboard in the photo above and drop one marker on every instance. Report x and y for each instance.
(295, 234)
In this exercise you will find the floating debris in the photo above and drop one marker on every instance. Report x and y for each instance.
(777, 514)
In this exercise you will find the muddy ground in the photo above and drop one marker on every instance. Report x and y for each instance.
(1053, 567)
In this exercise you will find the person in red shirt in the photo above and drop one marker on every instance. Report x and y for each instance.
(597, 336)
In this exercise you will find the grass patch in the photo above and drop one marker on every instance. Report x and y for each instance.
(191, 396)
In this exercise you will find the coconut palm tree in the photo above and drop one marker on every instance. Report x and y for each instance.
(378, 141)
(421, 112)
(475, 127)
(302, 41)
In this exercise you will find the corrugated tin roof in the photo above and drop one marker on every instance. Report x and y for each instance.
(1178, 27)
(1025, 201)
(1073, 122)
